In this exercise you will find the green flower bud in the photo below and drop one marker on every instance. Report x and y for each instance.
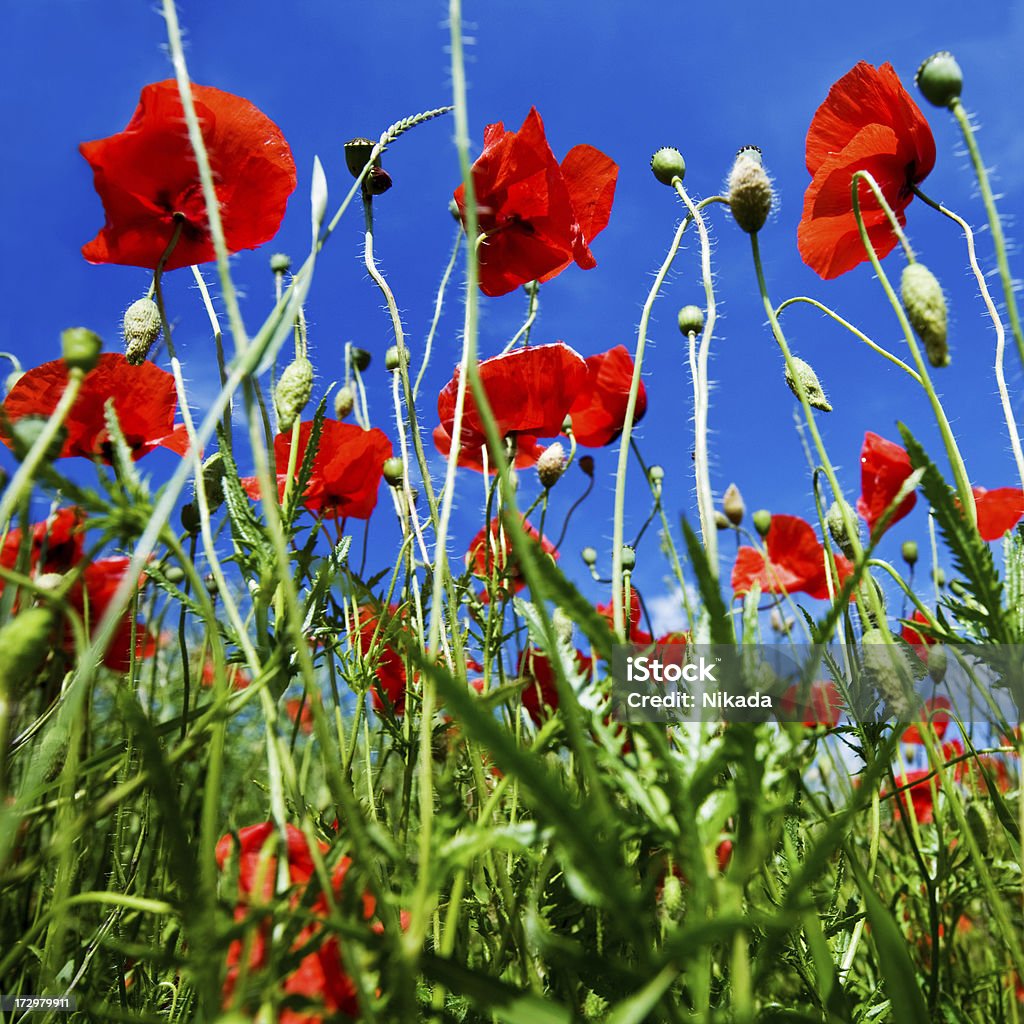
(732, 505)
(909, 552)
(656, 474)
(190, 518)
(25, 641)
(804, 372)
(392, 360)
(213, 481)
(589, 556)
(628, 558)
(141, 328)
(938, 661)
(174, 574)
(668, 164)
(280, 263)
(926, 310)
(978, 825)
(691, 320)
(359, 358)
(721, 520)
(551, 465)
(292, 392)
(750, 190)
(81, 348)
(344, 401)
(394, 471)
(939, 576)
(890, 671)
(762, 521)
(940, 79)
(837, 526)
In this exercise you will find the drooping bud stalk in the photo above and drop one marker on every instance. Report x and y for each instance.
(732, 505)
(667, 165)
(750, 190)
(926, 310)
(804, 372)
(344, 401)
(394, 471)
(292, 392)
(762, 521)
(190, 518)
(81, 348)
(722, 520)
(359, 359)
(551, 465)
(691, 320)
(141, 328)
(836, 522)
(940, 79)
(909, 552)
(655, 475)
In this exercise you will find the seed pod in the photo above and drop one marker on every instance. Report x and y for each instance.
(551, 465)
(750, 190)
(344, 401)
(81, 348)
(940, 79)
(25, 641)
(732, 505)
(938, 661)
(837, 526)
(213, 481)
(359, 358)
(280, 263)
(292, 393)
(394, 471)
(628, 558)
(668, 164)
(357, 152)
(762, 521)
(190, 518)
(392, 359)
(52, 752)
(926, 310)
(586, 464)
(804, 372)
(978, 825)
(141, 328)
(691, 320)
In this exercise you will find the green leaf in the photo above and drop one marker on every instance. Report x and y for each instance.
(634, 1010)
(720, 621)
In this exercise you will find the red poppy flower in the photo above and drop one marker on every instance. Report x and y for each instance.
(347, 469)
(932, 714)
(472, 456)
(600, 407)
(635, 614)
(998, 511)
(530, 390)
(147, 174)
(237, 679)
(921, 794)
(884, 466)
(144, 400)
(868, 122)
(387, 663)
(54, 545)
(536, 217)
(823, 705)
(540, 696)
(487, 557)
(795, 561)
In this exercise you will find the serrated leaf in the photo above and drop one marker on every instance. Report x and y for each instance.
(720, 626)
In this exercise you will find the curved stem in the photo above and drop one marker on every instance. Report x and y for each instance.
(532, 309)
(438, 304)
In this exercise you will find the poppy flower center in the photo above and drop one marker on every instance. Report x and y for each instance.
(191, 207)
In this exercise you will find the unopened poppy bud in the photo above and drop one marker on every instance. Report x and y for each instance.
(563, 624)
(672, 893)
(940, 79)
(344, 401)
(668, 164)
(81, 348)
(722, 520)
(280, 263)
(628, 558)
(586, 464)
(938, 661)
(357, 153)
(190, 518)
(656, 474)
(691, 320)
(359, 358)
(174, 574)
(377, 182)
(567, 426)
(292, 392)
(926, 310)
(589, 556)
(732, 505)
(213, 481)
(979, 826)
(394, 471)
(909, 552)
(939, 576)
(551, 465)
(750, 190)
(836, 522)
(141, 328)
(762, 521)
(392, 358)
(890, 670)
(25, 642)
(804, 372)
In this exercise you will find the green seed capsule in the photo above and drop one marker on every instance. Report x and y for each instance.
(668, 164)
(81, 348)
(804, 372)
(940, 79)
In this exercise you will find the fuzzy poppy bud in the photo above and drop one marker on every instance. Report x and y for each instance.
(732, 505)
(940, 79)
(359, 358)
(551, 465)
(174, 574)
(453, 209)
(978, 825)
(836, 521)
(926, 310)
(628, 558)
(586, 464)
(344, 401)
(939, 577)
(394, 471)
(668, 164)
(357, 153)
(909, 552)
(762, 521)
(141, 328)
(213, 481)
(81, 348)
(392, 358)
(589, 556)
(938, 661)
(292, 392)
(691, 320)
(722, 520)
(12, 378)
(280, 263)
(656, 474)
(750, 190)
(804, 373)
(24, 644)
(890, 671)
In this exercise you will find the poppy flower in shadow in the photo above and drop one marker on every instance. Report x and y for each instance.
(490, 554)
(536, 216)
(795, 562)
(884, 466)
(347, 469)
(387, 664)
(473, 456)
(933, 714)
(540, 695)
(144, 401)
(600, 408)
(54, 545)
(148, 179)
(919, 641)
(999, 510)
(868, 122)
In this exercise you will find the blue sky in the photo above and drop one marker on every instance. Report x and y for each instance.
(705, 78)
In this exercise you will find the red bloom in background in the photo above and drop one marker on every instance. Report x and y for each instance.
(472, 456)
(868, 122)
(55, 544)
(795, 562)
(537, 217)
(388, 665)
(530, 391)
(823, 704)
(237, 679)
(600, 407)
(884, 466)
(635, 614)
(147, 174)
(540, 696)
(998, 510)
(921, 794)
(144, 400)
(933, 714)
(919, 641)
(347, 469)
(486, 557)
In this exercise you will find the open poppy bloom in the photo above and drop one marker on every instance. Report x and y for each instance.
(148, 179)
(600, 408)
(387, 663)
(795, 562)
(54, 545)
(999, 510)
(820, 704)
(536, 217)
(472, 456)
(919, 641)
(347, 469)
(884, 466)
(237, 679)
(490, 553)
(530, 390)
(869, 123)
(922, 797)
(144, 399)
(635, 614)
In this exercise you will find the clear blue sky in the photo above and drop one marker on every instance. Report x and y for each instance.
(707, 78)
